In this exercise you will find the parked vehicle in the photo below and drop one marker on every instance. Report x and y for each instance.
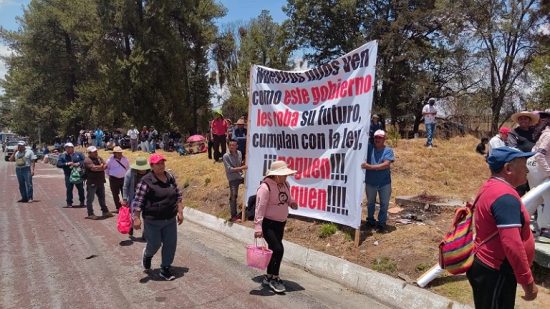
(11, 147)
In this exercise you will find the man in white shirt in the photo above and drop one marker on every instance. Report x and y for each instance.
(429, 112)
(499, 140)
(24, 170)
(117, 165)
(133, 133)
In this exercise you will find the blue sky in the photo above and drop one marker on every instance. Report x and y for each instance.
(237, 11)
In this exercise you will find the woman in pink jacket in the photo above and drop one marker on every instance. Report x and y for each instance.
(539, 172)
(272, 202)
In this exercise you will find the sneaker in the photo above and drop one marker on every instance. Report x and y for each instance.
(114, 211)
(107, 215)
(69, 206)
(166, 274)
(81, 205)
(266, 280)
(381, 229)
(22, 201)
(30, 201)
(277, 285)
(146, 261)
(92, 217)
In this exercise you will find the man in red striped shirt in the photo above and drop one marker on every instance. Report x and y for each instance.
(504, 242)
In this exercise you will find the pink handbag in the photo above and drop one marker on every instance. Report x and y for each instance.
(124, 220)
(258, 256)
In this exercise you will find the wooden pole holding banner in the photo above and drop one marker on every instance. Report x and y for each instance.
(245, 203)
(357, 237)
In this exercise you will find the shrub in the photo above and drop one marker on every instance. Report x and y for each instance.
(207, 181)
(327, 229)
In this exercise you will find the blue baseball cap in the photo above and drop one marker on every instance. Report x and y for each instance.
(501, 155)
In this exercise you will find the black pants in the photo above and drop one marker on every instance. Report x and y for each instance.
(116, 185)
(210, 147)
(273, 234)
(219, 140)
(493, 289)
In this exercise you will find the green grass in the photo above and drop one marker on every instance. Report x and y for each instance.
(327, 229)
(384, 264)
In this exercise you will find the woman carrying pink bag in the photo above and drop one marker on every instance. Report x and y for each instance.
(272, 201)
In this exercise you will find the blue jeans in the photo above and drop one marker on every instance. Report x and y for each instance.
(24, 178)
(91, 191)
(384, 193)
(430, 129)
(161, 232)
(79, 187)
(233, 195)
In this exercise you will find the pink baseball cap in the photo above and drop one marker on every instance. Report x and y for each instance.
(504, 130)
(380, 133)
(156, 158)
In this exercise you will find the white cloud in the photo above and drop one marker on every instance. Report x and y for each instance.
(6, 2)
(4, 51)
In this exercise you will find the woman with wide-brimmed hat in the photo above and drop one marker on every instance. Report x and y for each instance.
(272, 202)
(539, 172)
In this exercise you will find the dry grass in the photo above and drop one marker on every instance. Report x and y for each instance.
(452, 168)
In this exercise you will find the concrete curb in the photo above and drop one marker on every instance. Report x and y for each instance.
(384, 288)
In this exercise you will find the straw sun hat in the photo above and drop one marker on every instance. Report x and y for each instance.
(279, 168)
(533, 116)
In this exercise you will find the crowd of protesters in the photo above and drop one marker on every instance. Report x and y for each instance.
(155, 200)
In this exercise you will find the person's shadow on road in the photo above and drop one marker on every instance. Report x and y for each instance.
(131, 241)
(291, 286)
(154, 274)
(125, 243)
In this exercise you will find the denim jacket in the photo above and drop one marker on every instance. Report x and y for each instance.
(64, 158)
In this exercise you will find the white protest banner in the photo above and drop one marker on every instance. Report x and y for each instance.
(318, 122)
